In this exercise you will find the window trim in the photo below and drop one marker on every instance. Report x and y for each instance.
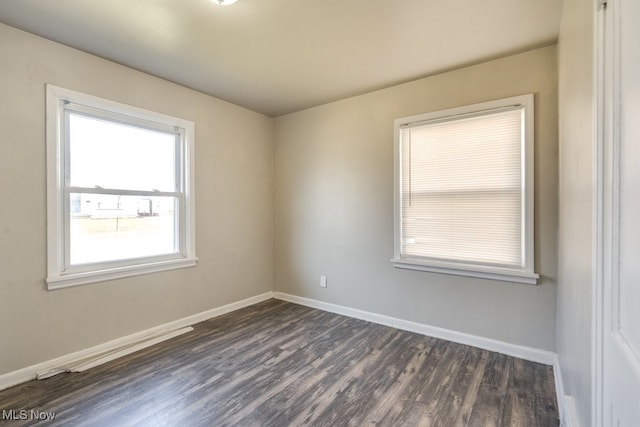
(525, 275)
(58, 273)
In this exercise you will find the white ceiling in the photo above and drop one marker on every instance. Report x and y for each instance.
(280, 56)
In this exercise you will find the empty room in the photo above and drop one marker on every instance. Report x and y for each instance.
(322, 213)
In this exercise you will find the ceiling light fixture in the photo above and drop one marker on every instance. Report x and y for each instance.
(224, 2)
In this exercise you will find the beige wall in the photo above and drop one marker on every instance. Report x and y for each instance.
(334, 206)
(576, 190)
(233, 197)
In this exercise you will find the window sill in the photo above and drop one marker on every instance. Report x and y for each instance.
(468, 270)
(87, 277)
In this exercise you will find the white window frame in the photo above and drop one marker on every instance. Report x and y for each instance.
(59, 273)
(526, 274)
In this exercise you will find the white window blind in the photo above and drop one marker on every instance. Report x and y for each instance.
(463, 190)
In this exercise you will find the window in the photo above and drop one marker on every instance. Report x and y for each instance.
(464, 191)
(119, 190)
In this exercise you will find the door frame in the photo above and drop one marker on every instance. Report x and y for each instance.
(602, 184)
(606, 186)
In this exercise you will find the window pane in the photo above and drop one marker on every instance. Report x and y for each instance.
(112, 155)
(105, 227)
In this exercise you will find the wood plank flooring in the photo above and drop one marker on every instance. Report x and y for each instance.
(281, 364)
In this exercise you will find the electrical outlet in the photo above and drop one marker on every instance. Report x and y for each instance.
(323, 281)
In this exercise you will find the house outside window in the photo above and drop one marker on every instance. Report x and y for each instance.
(119, 190)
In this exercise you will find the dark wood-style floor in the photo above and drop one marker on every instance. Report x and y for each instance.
(281, 364)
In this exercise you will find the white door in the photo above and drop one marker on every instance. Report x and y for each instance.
(621, 209)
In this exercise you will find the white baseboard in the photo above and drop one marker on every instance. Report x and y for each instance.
(522, 352)
(566, 403)
(26, 374)
(571, 412)
(81, 365)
